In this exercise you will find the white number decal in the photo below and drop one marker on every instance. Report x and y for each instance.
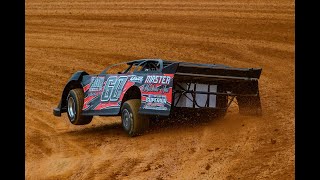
(113, 88)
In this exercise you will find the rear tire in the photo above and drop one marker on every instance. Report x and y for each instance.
(75, 101)
(133, 122)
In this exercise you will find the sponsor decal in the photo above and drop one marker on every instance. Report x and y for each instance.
(113, 88)
(96, 84)
(155, 88)
(98, 93)
(150, 88)
(158, 80)
(165, 89)
(156, 99)
(107, 105)
(153, 107)
(156, 102)
(136, 79)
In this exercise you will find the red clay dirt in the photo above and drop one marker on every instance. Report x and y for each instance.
(65, 36)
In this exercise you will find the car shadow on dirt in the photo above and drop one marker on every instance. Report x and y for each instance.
(157, 124)
(182, 120)
(105, 129)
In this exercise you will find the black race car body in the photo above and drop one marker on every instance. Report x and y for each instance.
(164, 87)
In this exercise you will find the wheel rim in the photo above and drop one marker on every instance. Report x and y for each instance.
(71, 108)
(126, 118)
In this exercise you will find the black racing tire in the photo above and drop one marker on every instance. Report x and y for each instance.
(75, 101)
(133, 122)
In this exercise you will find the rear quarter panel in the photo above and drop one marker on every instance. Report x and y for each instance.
(156, 94)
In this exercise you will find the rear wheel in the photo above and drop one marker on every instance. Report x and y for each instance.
(75, 103)
(133, 122)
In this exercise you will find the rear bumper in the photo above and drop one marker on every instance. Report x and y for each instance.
(57, 112)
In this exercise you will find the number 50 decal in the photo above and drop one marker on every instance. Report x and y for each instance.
(113, 88)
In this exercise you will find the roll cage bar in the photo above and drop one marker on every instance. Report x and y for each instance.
(138, 63)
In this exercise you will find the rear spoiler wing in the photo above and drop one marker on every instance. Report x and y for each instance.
(238, 83)
(217, 71)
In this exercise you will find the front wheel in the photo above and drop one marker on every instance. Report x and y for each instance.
(75, 103)
(133, 122)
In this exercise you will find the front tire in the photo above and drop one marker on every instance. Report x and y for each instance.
(75, 101)
(133, 122)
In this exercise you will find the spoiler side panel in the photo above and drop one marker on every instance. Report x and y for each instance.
(250, 105)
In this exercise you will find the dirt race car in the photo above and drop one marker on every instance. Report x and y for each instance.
(148, 88)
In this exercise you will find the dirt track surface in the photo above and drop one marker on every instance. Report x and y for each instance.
(65, 36)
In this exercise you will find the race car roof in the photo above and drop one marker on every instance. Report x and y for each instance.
(181, 63)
